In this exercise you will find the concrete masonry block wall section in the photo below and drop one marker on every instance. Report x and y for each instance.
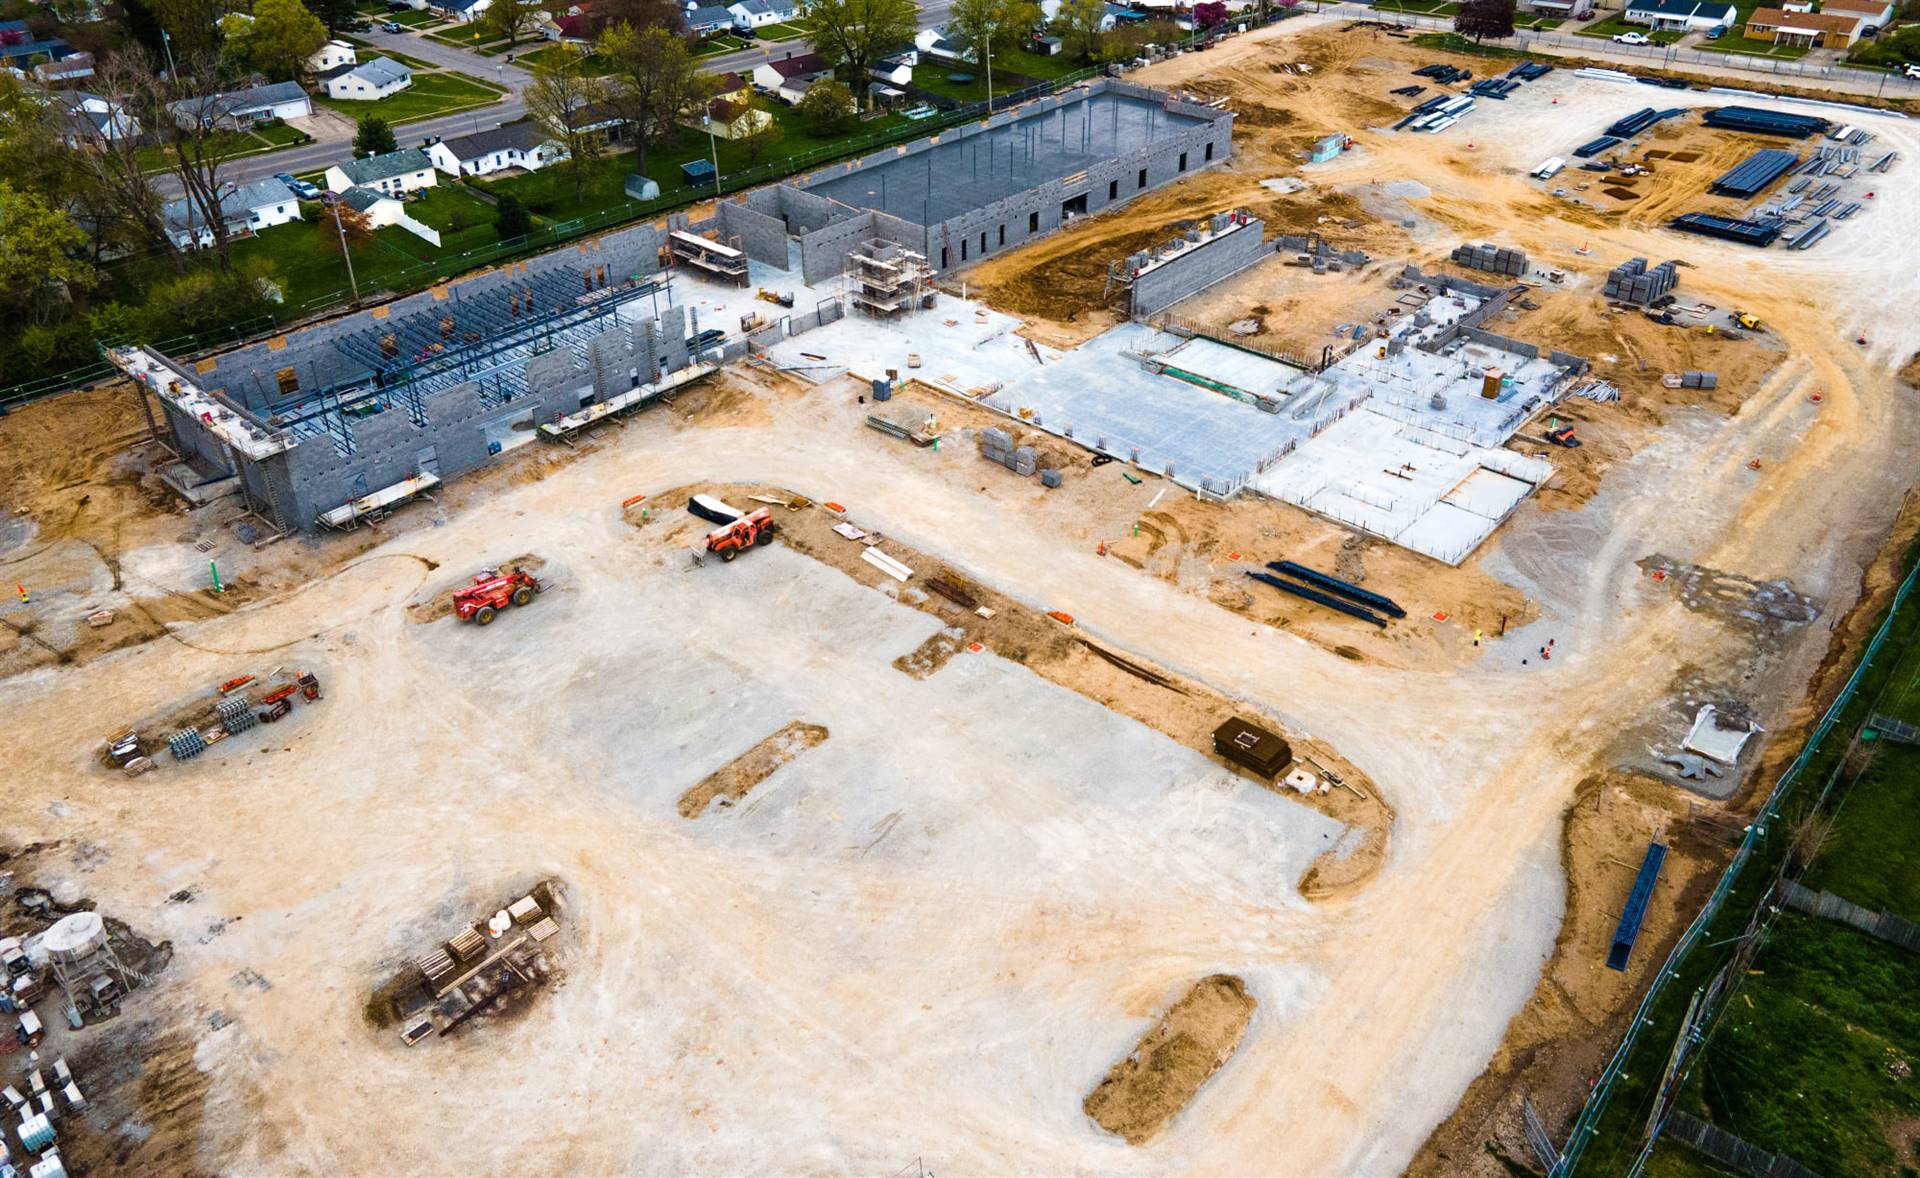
(764, 238)
(823, 253)
(1196, 268)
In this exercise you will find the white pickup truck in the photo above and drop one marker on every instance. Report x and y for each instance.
(1633, 38)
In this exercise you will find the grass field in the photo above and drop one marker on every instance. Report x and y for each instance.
(233, 145)
(1429, 7)
(1735, 43)
(430, 95)
(1799, 1062)
(413, 19)
(595, 65)
(725, 43)
(779, 32)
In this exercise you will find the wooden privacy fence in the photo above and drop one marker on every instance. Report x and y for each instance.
(1725, 1148)
(1884, 925)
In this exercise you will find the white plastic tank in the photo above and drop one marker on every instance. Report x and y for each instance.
(74, 938)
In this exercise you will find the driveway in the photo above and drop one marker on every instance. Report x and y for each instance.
(451, 57)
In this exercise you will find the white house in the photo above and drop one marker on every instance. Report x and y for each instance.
(331, 56)
(82, 119)
(383, 210)
(246, 210)
(395, 172)
(465, 11)
(370, 81)
(515, 145)
(239, 109)
(753, 14)
(1876, 14)
(789, 78)
(1685, 16)
(896, 71)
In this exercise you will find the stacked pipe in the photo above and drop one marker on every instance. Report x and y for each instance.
(1632, 282)
(1491, 258)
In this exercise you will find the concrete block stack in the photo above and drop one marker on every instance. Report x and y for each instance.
(1632, 282)
(1026, 462)
(1699, 380)
(1049, 478)
(1491, 258)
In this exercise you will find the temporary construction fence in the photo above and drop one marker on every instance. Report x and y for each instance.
(1884, 925)
(1645, 1023)
(1727, 1149)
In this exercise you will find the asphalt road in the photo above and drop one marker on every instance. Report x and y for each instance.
(315, 156)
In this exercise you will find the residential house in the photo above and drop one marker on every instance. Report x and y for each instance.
(245, 209)
(1563, 9)
(728, 119)
(383, 209)
(789, 78)
(394, 172)
(240, 109)
(580, 28)
(330, 57)
(1827, 29)
(602, 118)
(1877, 14)
(514, 145)
(752, 14)
(370, 81)
(20, 49)
(897, 70)
(465, 11)
(75, 67)
(81, 119)
(1681, 16)
(709, 19)
(730, 86)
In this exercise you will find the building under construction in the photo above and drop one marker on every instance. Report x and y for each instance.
(885, 280)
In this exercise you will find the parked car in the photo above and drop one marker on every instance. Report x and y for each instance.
(301, 188)
(393, 26)
(1716, 32)
(399, 6)
(1633, 38)
(1913, 71)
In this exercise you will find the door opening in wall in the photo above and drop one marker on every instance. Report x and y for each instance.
(1033, 222)
(1209, 153)
(1003, 235)
(1183, 161)
(1073, 207)
(1141, 182)
(1113, 190)
(428, 460)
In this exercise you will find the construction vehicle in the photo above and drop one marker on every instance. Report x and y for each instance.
(749, 531)
(491, 592)
(1564, 436)
(1747, 321)
(784, 298)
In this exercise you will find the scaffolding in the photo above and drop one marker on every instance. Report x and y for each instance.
(886, 280)
(723, 260)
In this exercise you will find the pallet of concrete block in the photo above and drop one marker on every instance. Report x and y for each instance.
(1492, 258)
(1691, 380)
(1633, 282)
(996, 445)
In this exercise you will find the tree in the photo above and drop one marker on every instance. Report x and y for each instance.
(112, 159)
(856, 34)
(1078, 25)
(511, 219)
(335, 14)
(276, 40)
(562, 99)
(374, 137)
(827, 106)
(1001, 25)
(1484, 18)
(512, 19)
(352, 228)
(37, 241)
(640, 14)
(1209, 14)
(762, 129)
(191, 24)
(184, 113)
(653, 84)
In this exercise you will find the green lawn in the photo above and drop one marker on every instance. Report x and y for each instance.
(430, 95)
(725, 43)
(1038, 66)
(411, 62)
(1752, 48)
(278, 134)
(549, 192)
(1618, 24)
(1432, 7)
(934, 78)
(595, 65)
(1455, 43)
(779, 32)
(417, 19)
(468, 37)
(233, 145)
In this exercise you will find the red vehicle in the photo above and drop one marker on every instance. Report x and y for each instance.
(493, 591)
(749, 531)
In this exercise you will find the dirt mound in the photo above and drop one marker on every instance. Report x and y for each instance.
(736, 779)
(1146, 1090)
(440, 603)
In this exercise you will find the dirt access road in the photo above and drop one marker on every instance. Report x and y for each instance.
(958, 1002)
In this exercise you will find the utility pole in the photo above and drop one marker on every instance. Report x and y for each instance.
(713, 146)
(986, 51)
(345, 253)
(166, 43)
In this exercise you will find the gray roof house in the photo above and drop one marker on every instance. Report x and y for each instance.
(239, 108)
(396, 171)
(245, 209)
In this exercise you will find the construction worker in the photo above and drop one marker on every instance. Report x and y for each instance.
(1476, 637)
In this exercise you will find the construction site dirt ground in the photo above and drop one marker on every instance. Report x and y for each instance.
(933, 930)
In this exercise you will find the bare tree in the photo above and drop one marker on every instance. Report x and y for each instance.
(189, 116)
(108, 149)
(653, 83)
(568, 103)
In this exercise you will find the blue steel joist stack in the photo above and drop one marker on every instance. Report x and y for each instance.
(1765, 122)
(1760, 233)
(1753, 175)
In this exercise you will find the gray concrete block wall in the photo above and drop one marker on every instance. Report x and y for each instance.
(1196, 268)
(764, 238)
(1489, 338)
(198, 446)
(823, 252)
